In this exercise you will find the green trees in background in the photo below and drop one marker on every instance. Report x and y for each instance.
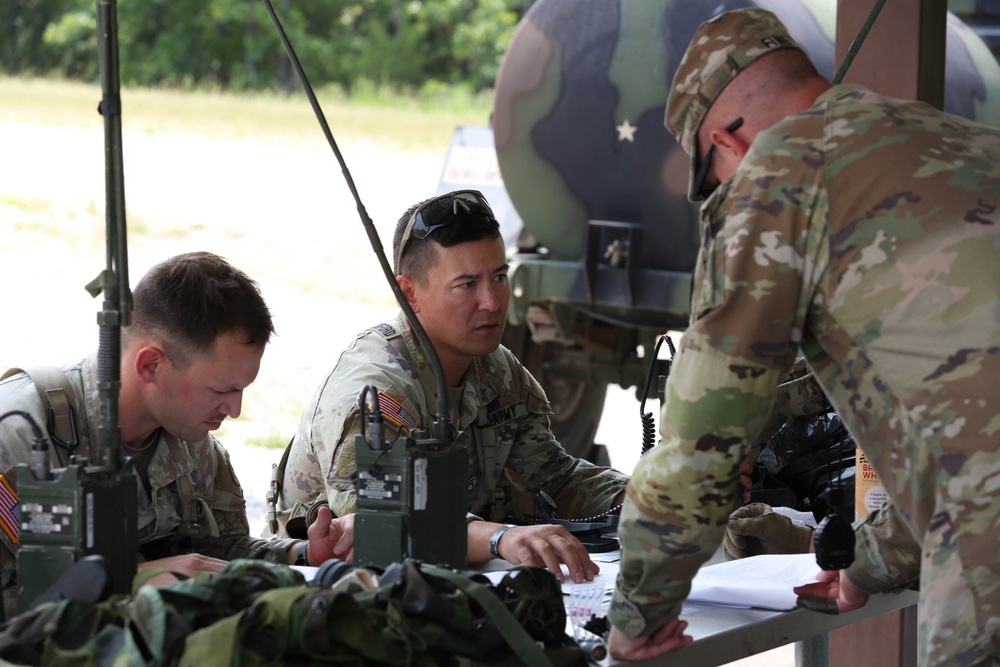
(231, 44)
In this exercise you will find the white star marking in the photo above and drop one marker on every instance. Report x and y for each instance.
(626, 132)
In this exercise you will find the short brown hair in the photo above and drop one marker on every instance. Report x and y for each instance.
(189, 300)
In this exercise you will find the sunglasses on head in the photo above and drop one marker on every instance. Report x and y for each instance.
(700, 189)
(435, 214)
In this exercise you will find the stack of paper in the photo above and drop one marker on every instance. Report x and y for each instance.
(764, 582)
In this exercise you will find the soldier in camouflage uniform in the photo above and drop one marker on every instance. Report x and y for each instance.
(197, 334)
(452, 268)
(866, 231)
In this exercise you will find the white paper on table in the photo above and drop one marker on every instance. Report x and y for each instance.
(764, 582)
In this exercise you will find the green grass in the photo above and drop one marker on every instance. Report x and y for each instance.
(410, 121)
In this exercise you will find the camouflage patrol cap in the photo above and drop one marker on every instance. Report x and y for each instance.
(721, 48)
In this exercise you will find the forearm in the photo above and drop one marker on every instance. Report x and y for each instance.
(886, 555)
(683, 491)
(240, 547)
(480, 533)
(654, 573)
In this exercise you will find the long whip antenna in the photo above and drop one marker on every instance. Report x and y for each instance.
(441, 414)
(858, 41)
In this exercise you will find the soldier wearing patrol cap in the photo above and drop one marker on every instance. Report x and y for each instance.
(864, 231)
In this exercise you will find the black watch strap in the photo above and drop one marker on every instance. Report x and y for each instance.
(495, 540)
(301, 557)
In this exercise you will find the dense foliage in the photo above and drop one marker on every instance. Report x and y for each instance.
(231, 44)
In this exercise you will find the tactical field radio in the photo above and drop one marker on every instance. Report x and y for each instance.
(411, 492)
(88, 508)
(66, 515)
(411, 503)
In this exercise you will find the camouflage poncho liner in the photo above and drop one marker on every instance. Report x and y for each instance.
(512, 452)
(867, 231)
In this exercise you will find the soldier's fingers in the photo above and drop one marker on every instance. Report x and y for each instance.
(820, 589)
(738, 542)
(828, 575)
(577, 560)
(674, 628)
(741, 512)
(345, 525)
(551, 558)
(750, 526)
(731, 553)
(823, 605)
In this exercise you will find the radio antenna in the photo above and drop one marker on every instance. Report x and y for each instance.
(442, 427)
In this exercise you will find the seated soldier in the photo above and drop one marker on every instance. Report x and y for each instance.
(451, 265)
(198, 331)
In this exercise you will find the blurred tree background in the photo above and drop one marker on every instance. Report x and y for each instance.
(231, 45)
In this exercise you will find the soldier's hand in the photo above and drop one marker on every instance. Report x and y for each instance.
(668, 638)
(185, 564)
(547, 545)
(331, 537)
(832, 594)
(756, 529)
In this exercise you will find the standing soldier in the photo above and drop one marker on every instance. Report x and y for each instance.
(865, 231)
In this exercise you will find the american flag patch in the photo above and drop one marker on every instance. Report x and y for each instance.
(10, 510)
(393, 411)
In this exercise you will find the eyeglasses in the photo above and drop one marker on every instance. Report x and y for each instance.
(699, 180)
(433, 215)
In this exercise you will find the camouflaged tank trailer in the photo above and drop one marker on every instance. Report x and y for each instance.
(591, 189)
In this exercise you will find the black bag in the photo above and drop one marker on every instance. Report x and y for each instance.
(798, 466)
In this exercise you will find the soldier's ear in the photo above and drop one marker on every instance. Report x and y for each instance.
(149, 362)
(406, 284)
(729, 145)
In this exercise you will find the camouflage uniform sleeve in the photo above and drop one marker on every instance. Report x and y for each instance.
(798, 394)
(886, 555)
(16, 436)
(537, 461)
(762, 256)
(321, 464)
(683, 491)
(229, 511)
(321, 460)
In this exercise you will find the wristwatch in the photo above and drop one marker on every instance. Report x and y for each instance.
(495, 540)
(301, 557)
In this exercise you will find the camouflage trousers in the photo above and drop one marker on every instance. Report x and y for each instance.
(959, 612)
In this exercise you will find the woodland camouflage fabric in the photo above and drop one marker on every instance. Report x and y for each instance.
(865, 230)
(194, 490)
(512, 452)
